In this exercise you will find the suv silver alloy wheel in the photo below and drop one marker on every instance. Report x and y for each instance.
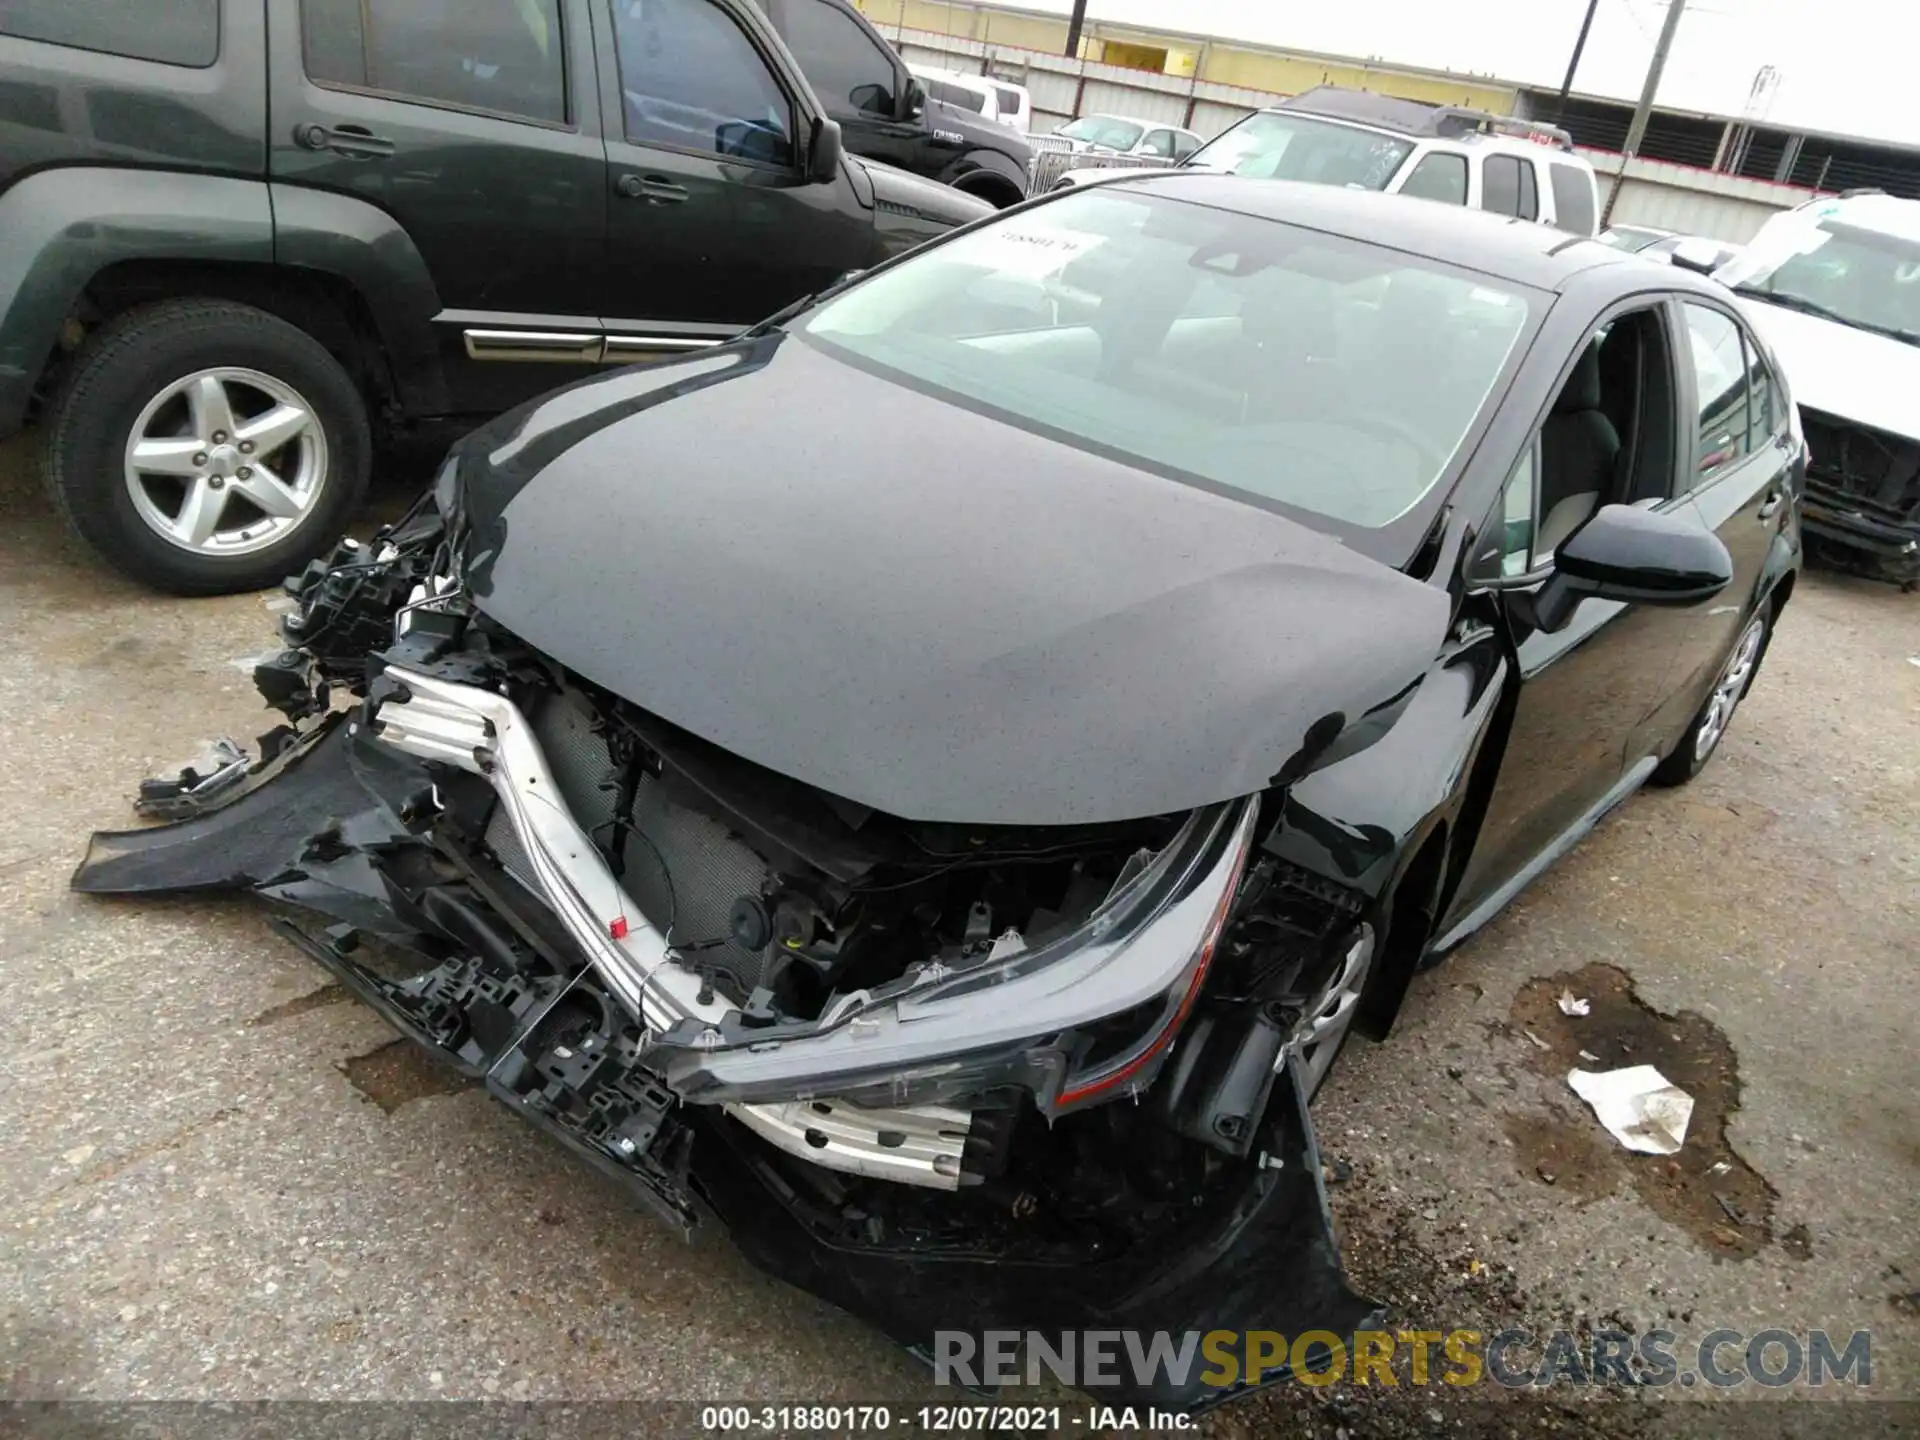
(1729, 688)
(226, 461)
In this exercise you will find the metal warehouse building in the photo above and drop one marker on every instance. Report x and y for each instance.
(1707, 174)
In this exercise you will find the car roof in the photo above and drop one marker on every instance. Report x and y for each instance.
(1522, 251)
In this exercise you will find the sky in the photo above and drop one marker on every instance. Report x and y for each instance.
(1845, 66)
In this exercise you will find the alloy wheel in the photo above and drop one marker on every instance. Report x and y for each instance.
(1728, 689)
(1325, 1027)
(226, 461)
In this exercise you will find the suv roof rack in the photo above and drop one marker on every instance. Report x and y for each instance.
(1416, 117)
(1861, 190)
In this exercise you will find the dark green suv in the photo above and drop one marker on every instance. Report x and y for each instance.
(243, 240)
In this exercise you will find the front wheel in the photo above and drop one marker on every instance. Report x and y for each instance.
(1703, 736)
(206, 447)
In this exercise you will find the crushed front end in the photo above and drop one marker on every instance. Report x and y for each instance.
(1862, 506)
(948, 1077)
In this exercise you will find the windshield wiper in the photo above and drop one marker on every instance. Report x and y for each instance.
(778, 318)
(1786, 300)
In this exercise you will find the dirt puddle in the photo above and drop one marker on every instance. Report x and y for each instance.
(400, 1072)
(1706, 1189)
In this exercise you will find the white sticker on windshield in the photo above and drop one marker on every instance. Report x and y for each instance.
(1033, 254)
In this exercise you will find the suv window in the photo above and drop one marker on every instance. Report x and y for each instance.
(1721, 381)
(1507, 187)
(690, 79)
(175, 32)
(1009, 100)
(841, 62)
(1440, 175)
(1184, 144)
(1158, 142)
(1572, 197)
(498, 56)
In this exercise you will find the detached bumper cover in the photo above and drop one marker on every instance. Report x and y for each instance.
(331, 823)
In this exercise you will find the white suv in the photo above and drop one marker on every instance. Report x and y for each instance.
(1434, 152)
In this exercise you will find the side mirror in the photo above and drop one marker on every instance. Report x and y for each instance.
(1699, 256)
(913, 98)
(823, 153)
(1635, 556)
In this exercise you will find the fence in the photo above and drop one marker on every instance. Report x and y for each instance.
(1064, 88)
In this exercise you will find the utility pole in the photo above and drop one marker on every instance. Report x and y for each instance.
(1573, 64)
(1637, 131)
(1073, 28)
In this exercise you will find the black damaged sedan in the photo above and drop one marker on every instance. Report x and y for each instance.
(931, 785)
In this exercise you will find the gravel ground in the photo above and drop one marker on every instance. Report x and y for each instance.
(220, 1180)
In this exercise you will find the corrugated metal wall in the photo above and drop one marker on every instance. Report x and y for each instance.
(1691, 201)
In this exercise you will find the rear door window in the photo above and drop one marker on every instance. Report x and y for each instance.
(1529, 192)
(1572, 197)
(173, 32)
(842, 64)
(1500, 186)
(1721, 388)
(500, 57)
(1439, 175)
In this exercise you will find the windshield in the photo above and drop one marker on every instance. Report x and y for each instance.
(1272, 145)
(1103, 130)
(1283, 365)
(1823, 266)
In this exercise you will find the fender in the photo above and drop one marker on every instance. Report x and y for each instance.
(1783, 559)
(64, 226)
(366, 247)
(910, 209)
(991, 161)
(1364, 822)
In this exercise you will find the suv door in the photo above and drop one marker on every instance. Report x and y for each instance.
(862, 83)
(473, 123)
(714, 223)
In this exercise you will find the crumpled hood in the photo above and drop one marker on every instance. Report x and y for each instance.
(1851, 374)
(919, 608)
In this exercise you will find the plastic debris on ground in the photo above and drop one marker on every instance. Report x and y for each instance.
(1640, 1107)
(1570, 1006)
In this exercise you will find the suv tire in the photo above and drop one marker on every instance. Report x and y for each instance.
(271, 484)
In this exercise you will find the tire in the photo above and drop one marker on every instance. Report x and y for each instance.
(154, 375)
(1703, 734)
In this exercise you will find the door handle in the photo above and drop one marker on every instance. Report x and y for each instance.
(1771, 505)
(353, 140)
(654, 189)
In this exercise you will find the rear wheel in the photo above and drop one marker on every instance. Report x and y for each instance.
(1703, 736)
(206, 447)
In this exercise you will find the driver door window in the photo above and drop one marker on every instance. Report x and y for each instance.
(1158, 142)
(849, 73)
(690, 80)
(1441, 176)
